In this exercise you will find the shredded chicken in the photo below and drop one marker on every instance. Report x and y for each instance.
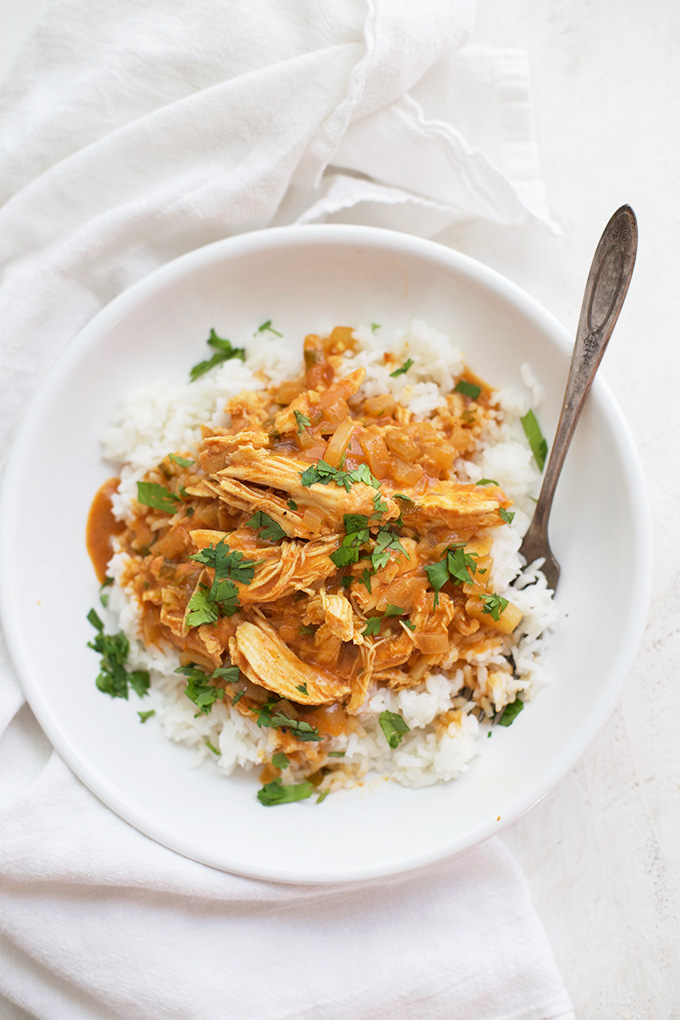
(323, 543)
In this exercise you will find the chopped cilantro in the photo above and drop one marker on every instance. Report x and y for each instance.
(394, 727)
(224, 352)
(407, 623)
(468, 389)
(302, 420)
(143, 716)
(336, 754)
(322, 473)
(356, 535)
(403, 369)
(227, 563)
(200, 608)
(322, 796)
(457, 566)
(291, 504)
(230, 674)
(103, 596)
(277, 792)
(267, 327)
(494, 605)
(365, 579)
(304, 629)
(190, 511)
(113, 678)
(386, 541)
(277, 720)
(374, 326)
(302, 688)
(373, 625)
(213, 748)
(380, 506)
(182, 461)
(157, 496)
(486, 481)
(506, 516)
(237, 697)
(538, 444)
(199, 688)
(271, 530)
(280, 760)
(403, 498)
(510, 713)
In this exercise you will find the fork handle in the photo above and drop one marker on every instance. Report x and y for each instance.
(607, 286)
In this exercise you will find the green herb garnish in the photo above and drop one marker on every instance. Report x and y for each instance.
(113, 678)
(336, 754)
(291, 504)
(280, 760)
(322, 796)
(457, 566)
(302, 420)
(374, 326)
(224, 351)
(510, 713)
(386, 541)
(143, 716)
(302, 688)
(103, 595)
(506, 516)
(486, 481)
(468, 389)
(539, 446)
(394, 728)
(182, 461)
(322, 473)
(277, 720)
(199, 688)
(201, 609)
(494, 605)
(374, 623)
(271, 530)
(277, 792)
(267, 327)
(403, 369)
(157, 496)
(212, 748)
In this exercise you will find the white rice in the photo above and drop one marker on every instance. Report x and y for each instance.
(165, 417)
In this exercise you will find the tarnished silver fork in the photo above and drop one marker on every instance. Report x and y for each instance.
(607, 286)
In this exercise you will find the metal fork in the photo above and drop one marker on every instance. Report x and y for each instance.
(607, 286)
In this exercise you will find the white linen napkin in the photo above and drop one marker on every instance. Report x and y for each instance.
(131, 132)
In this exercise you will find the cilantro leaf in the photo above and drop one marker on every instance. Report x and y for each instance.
(403, 369)
(402, 497)
(200, 608)
(224, 352)
(365, 579)
(302, 420)
(271, 530)
(394, 727)
(199, 688)
(212, 748)
(380, 506)
(537, 442)
(506, 516)
(510, 713)
(386, 541)
(302, 688)
(437, 575)
(182, 461)
(291, 504)
(468, 389)
(230, 674)
(277, 792)
(494, 605)
(157, 496)
(139, 681)
(486, 481)
(267, 327)
(373, 625)
(336, 754)
(277, 720)
(323, 473)
(407, 623)
(143, 716)
(103, 595)
(280, 760)
(374, 326)
(113, 649)
(461, 565)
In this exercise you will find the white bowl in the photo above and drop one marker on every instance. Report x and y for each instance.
(307, 280)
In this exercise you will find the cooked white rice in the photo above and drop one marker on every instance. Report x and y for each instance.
(164, 417)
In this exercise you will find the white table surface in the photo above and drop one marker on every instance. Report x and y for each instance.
(602, 851)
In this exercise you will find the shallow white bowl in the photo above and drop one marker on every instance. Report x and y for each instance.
(308, 280)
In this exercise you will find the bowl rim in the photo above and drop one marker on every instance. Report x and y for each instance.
(349, 236)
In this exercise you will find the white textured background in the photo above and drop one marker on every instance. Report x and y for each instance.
(602, 852)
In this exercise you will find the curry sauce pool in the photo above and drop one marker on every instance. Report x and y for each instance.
(318, 560)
